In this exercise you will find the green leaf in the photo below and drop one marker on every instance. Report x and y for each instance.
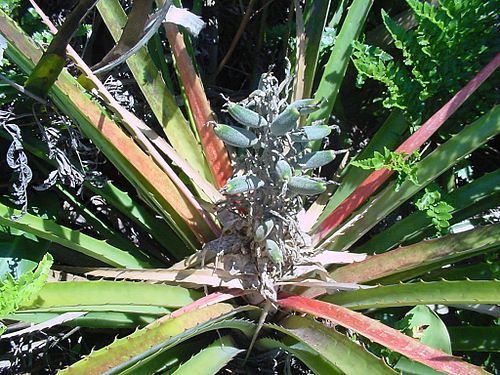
(334, 347)
(14, 292)
(154, 186)
(163, 334)
(315, 16)
(72, 239)
(468, 200)
(109, 296)
(19, 254)
(389, 135)
(336, 66)
(420, 293)
(211, 359)
(318, 364)
(424, 325)
(92, 319)
(413, 260)
(151, 83)
(440, 160)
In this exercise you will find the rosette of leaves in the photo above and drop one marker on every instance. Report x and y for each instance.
(273, 181)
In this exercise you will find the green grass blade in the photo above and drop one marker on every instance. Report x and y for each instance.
(483, 190)
(420, 293)
(475, 339)
(73, 239)
(334, 347)
(161, 101)
(211, 359)
(433, 253)
(336, 67)
(440, 160)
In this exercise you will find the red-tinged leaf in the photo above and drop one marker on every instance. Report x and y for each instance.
(413, 143)
(122, 151)
(141, 131)
(208, 300)
(422, 254)
(215, 151)
(52, 62)
(381, 334)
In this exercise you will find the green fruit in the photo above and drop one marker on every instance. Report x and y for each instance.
(235, 136)
(274, 251)
(306, 186)
(316, 159)
(263, 230)
(246, 116)
(283, 170)
(286, 121)
(306, 106)
(311, 133)
(242, 184)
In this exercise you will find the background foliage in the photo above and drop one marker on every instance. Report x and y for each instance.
(111, 183)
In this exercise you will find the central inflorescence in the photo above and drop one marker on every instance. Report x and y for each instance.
(261, 231)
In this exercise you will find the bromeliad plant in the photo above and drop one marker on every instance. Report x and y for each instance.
(261, 211)
(278, 250)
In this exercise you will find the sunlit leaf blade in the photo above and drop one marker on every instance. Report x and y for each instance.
(215, 150)
(300, 59)
(46, 324)
(336, 348)
(435, 252)
(211, 359)
(144, 342)
(189, 278)
(381, 334)
(420, 293)
(73, 239)
(93, 319)
(475, 339)
(152, 85)
(336, 67)
(103, 295)
(464, 199)
(413, 143)
(315, 16)
(440, 160)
